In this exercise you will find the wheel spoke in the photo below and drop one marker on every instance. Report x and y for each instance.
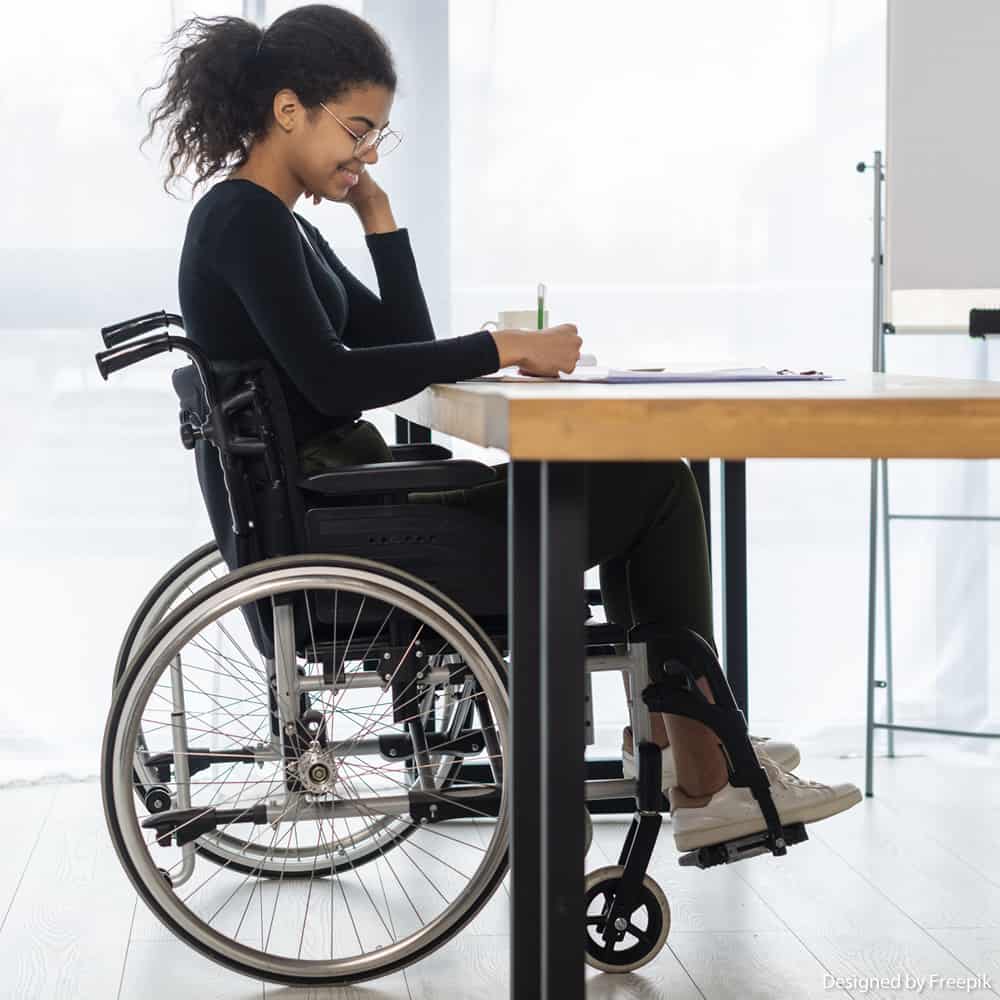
(640, 935)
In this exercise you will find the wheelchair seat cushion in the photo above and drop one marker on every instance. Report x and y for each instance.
(356, 443)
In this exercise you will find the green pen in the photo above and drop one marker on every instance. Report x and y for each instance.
(541, 306)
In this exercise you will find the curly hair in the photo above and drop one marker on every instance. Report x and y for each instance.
(222, 82)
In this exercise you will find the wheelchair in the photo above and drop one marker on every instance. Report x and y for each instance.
(302, 769)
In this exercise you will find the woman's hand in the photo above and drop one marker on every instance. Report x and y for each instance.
(363, 195)
(370, 203)
(540, 352)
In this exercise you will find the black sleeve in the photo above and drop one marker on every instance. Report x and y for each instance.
(401, 315)
(261, 257)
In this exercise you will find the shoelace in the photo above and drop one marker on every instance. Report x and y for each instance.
(777, 776)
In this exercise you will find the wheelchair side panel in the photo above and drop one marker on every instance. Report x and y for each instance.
(460, 552)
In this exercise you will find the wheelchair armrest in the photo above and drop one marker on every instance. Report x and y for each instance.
(418, 452)
(400, 477)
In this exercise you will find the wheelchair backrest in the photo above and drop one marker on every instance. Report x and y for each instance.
(251, 496)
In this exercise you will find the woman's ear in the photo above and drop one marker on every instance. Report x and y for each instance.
(286, 109)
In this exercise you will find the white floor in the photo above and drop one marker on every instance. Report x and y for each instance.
(905, 884)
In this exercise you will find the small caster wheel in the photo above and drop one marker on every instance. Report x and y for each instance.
(158, 799)
(588, 830)
(166, 877)
(637, 939)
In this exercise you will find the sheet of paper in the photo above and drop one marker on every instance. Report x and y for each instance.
(680, 374)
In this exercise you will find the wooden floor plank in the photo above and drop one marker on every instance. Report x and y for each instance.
(889, 873)
(855, 930)
(751, 965)
(23, 813)
(813, 888)
(978, 949)
(908, 962)
(67, 930)
(470, 966)
(903, 861)
(166, 970)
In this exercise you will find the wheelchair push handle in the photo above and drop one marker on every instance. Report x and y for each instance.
(121, 357)
(118, 333)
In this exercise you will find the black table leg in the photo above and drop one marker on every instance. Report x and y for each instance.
(408, 432)
(562, 517)
(734, 578)
(524, 780)
(402, 430)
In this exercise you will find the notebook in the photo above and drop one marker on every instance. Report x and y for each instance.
(638, 375)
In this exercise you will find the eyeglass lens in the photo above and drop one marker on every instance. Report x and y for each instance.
(386, 144)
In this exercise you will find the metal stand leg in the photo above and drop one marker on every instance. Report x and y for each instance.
(523, 580)
(872, 560)
(878, 365)
(563, 520)
(887, 577)
(734, 578)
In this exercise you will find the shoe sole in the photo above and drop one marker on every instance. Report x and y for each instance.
(706, 836)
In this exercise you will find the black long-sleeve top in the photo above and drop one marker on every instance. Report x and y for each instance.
(250, 287)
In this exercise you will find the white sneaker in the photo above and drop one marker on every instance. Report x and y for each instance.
(734, 812)
(785, 755)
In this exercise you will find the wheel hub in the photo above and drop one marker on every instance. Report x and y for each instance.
(316, 770)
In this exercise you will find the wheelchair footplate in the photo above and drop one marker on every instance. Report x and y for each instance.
(744, 847)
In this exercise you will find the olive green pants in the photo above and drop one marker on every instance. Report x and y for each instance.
(645, 528)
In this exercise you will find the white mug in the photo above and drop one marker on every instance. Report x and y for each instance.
(518, 319)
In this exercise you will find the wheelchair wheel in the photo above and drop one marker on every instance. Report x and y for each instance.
(199, 568)
(403, 686)
(195, 570)
(638, 938)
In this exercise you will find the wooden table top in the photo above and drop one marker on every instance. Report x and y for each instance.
(865, 416)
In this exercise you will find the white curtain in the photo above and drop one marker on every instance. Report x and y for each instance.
(681, 176)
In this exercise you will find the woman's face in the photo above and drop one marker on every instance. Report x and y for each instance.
(322, 154)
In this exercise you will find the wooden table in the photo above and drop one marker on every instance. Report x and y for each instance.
(550, 432)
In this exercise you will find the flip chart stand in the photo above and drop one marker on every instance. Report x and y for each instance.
(879, 512)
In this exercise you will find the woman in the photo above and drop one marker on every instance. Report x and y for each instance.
(302, 108)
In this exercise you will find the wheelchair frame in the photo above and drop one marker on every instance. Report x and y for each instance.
(234, 419)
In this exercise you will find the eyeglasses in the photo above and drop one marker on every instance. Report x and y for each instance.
(385, 141)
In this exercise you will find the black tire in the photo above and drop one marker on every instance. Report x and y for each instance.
(142, 612)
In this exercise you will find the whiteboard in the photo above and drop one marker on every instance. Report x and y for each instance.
(942, 236)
